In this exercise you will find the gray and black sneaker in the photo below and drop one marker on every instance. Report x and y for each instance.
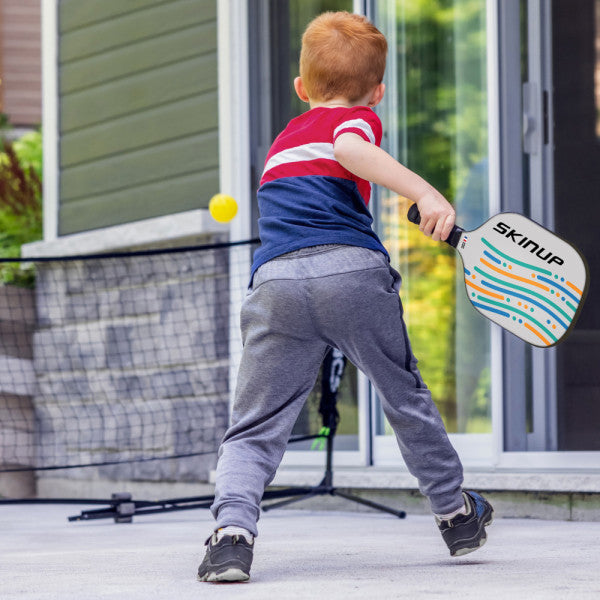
(466, 533)
(226, 560)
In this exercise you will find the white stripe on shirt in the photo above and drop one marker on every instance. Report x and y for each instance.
(356, 124)
(300, 153)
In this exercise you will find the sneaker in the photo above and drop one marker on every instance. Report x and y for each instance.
(466, 533)
(227, 560)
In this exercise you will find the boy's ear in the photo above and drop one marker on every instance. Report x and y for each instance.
(377, 95)
(299, 87)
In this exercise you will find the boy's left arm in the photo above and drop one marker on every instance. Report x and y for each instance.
(370, 162)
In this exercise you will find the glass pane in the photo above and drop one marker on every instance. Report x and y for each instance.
(435, 118)
(288, 20)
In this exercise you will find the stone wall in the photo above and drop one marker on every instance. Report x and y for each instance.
(17, 384)
(132, 361)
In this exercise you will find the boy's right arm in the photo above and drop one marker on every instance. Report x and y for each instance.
(370, 162)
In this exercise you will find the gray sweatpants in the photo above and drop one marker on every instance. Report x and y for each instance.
(300, 304)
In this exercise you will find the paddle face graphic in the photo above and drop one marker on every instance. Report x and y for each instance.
(523, 277)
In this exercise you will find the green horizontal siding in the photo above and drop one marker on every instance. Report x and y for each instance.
(75, 13)
(146, 55)
(143, 91)
(119, 31)
(138, 110)
(164, 123)
(124, 171)
(153, 200)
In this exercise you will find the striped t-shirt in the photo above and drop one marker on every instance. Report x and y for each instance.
(306, 198)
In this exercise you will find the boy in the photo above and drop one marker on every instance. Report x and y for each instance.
(322, 279)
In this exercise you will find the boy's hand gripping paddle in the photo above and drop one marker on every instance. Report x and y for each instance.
(521, 276)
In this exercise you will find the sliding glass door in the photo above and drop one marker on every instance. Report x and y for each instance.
(435, 117)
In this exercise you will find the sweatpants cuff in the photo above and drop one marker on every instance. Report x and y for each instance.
(238, 514)
(446, 503)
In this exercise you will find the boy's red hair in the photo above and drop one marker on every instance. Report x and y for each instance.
(342, 54)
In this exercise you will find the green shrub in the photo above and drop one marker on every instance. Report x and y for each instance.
(28, 149)
(20, 205)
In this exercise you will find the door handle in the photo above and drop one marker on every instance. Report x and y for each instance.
(531, 118)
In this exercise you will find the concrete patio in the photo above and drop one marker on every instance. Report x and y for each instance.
(300, 554)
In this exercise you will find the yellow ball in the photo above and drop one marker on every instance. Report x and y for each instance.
(222, 208)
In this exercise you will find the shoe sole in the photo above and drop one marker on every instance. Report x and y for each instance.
(230, 575)
(482, 540)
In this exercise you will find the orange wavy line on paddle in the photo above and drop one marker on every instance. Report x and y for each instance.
(536, 333)
(574, 288)
(512, 276)
(484, 291)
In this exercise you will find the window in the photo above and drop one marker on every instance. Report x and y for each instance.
(435, 122)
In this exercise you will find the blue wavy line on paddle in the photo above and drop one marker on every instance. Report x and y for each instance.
(527, 298)
(560, 287)
(496, 260)
(494, 310)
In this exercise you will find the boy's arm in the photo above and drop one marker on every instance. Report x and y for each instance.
(370, 162)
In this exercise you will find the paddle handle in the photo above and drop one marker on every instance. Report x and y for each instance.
(415, 217)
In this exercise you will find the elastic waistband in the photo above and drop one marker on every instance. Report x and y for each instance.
(320, 261)
(310, 250)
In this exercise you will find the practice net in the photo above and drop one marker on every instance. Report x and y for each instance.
(121, 362)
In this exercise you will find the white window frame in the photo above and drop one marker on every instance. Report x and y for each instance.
(234, 157)
(50, 117)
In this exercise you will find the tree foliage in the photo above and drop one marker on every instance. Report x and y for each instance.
(442, 123)
(20, 204)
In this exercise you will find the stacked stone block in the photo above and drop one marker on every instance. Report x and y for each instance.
(131, 358)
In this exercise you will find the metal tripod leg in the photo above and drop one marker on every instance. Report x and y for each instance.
(325, 487)
(398, 513)
(290, 501)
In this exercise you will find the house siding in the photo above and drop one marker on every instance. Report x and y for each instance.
(138, 110)
(20, 61)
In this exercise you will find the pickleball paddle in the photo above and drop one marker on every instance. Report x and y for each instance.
(521, 276)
